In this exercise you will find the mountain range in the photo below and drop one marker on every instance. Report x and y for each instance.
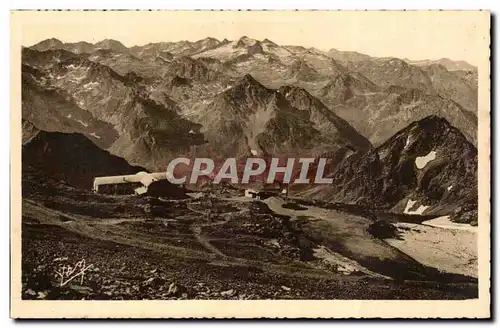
(372, 116)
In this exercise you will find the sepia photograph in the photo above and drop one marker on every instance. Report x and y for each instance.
(250, 156)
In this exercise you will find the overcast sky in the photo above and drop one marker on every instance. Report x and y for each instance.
(413, 35)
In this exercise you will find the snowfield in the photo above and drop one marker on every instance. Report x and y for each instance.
(422, 161)
(446, 248)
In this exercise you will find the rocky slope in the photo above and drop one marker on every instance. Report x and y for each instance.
(427, 168)
(433, 78)
(379, 115)
(457, 85)
(324, 119)
(250, 119)
(145, 132)
(53, 109)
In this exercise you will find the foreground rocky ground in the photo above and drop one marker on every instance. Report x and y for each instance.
(217, 246)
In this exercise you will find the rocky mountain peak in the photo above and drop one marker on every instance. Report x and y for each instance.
(434, 123)
(210, 40)
(432, 133)
(51, 43)
(54, 41)
(203, 45)
(111, 45)
(251, 46)
(248, 84)
(268, 42)
(247, 92)
(249, 79)
(429, 163)
(245, 41)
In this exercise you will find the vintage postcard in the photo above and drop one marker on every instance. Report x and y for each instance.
(250, 164)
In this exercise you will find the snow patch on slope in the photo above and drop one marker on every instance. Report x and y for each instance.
(445, 223)
(89, 85)
(82, 123)
(419, 211)
(421, 161)
(407, 142)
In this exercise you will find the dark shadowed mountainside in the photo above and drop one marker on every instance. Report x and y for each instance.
(72, 158)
